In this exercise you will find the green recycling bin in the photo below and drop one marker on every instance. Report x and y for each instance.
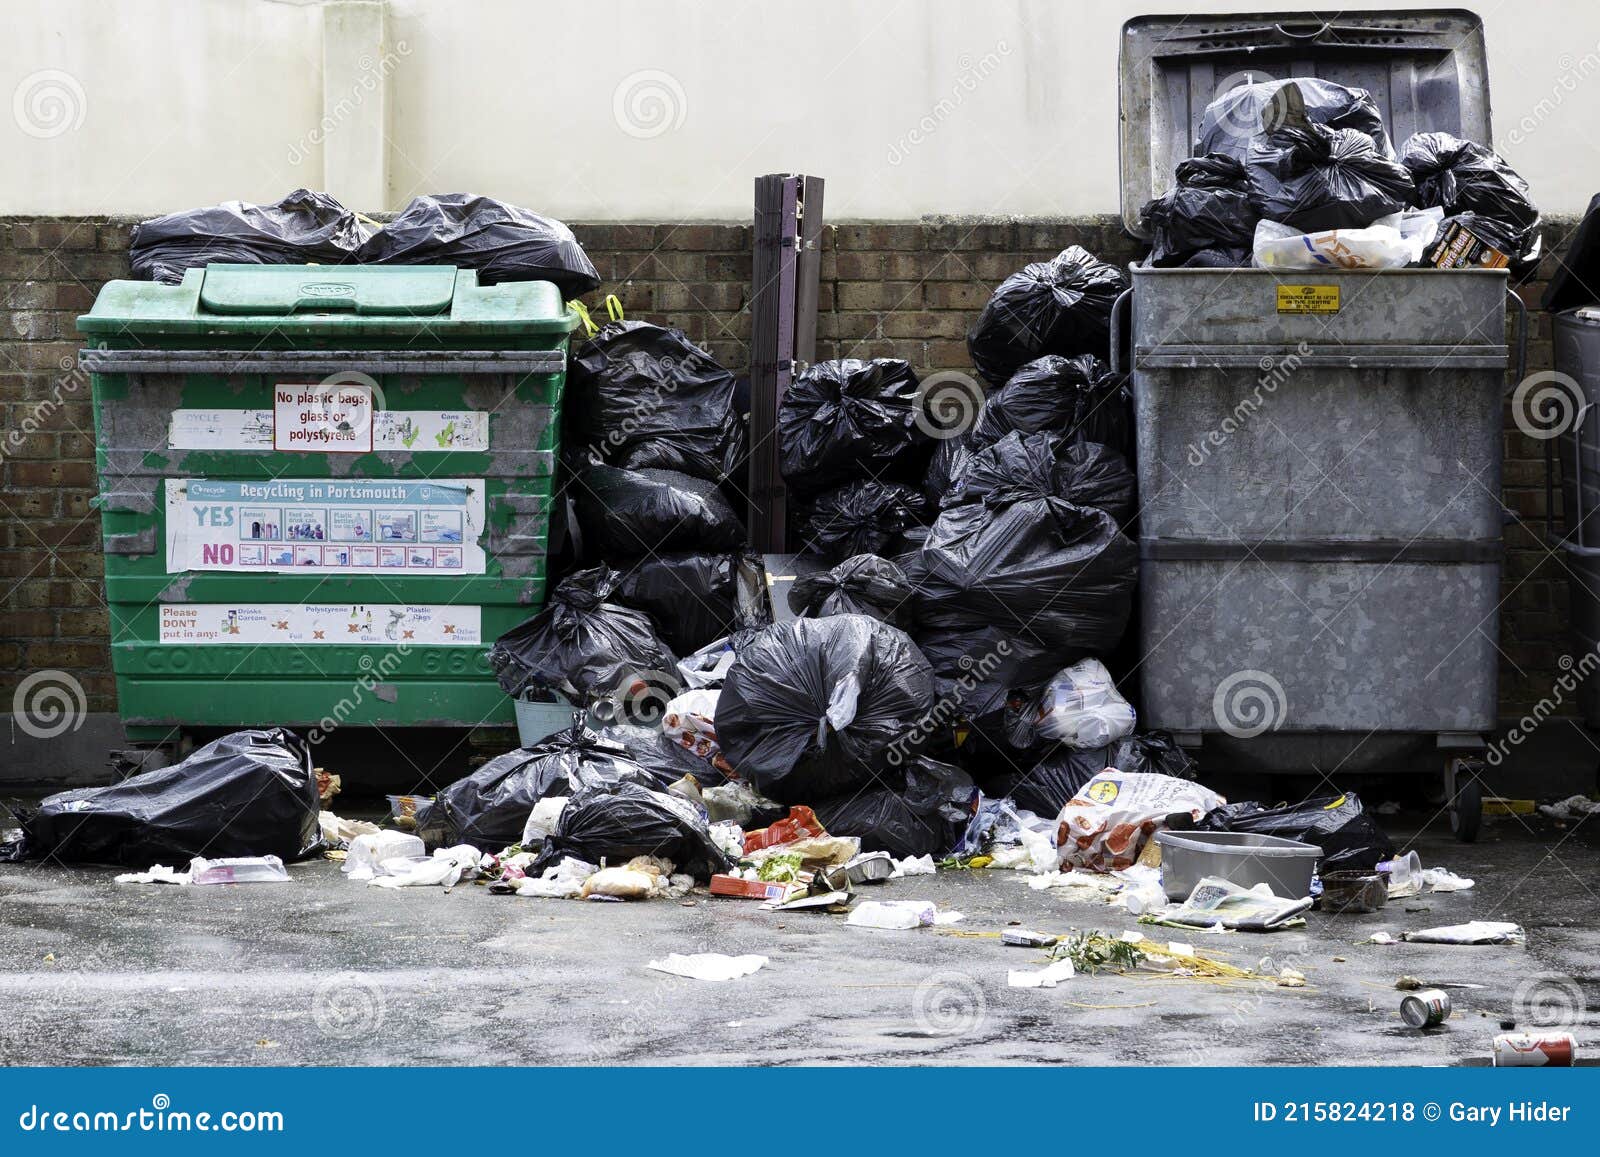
(324, 490)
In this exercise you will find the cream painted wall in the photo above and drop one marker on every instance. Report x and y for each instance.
(649, 109)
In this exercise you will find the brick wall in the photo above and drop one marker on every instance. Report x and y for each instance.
(901, 289)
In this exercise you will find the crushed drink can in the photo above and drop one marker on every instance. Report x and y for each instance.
(1425, 1008)
(1534, 1049)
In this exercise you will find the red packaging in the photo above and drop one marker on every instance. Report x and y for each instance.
(801, 823)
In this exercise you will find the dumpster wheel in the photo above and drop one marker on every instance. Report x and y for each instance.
(1464, 791)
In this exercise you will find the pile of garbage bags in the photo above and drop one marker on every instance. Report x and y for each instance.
(1301, 174)
(501, 241)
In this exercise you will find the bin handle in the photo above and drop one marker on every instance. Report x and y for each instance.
(1290, 34)
(1122, 305)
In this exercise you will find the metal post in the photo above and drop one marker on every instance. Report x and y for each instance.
(783, 331)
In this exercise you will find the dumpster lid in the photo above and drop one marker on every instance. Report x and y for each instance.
(407, 290)
(1425, 69)
(329, 301)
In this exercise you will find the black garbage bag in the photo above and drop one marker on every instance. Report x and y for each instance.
(921, 811)
(617, 823)
(251, 793)
(627, 513)
(813, 708)
(1218, 259)
(1079, 397)
(1313, 178)
(1349, 837)
(1055, 779)
(1060, 306)
(863, 584)
(948, 455)
(1152, 751)
(1022, 466)
(1243, 114)
(303, 227)
(1038, 567)
(1576, 281)
(848, 419)
(1462, 177)
(642, 395)
(1049, 784)
(1208, 209)
(585, 646)
(489, 808)
(977, 668)
(863, 517)
(695, 599)
(502, 242)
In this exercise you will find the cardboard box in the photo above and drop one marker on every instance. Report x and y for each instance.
(747, 889)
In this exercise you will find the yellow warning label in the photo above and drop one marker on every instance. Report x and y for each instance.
(1308, 299)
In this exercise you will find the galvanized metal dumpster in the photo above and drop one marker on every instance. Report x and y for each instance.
(1571, 420)
(324, 491)
(1318, 453)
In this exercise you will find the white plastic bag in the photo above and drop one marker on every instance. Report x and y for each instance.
(1279, 246)
(1081, 708)
(367, 853)
(1103, 827)
(542, 820)
(689, 720)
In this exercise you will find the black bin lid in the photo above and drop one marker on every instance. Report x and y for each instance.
(1426, 69)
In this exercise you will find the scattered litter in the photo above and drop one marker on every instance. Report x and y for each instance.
(229, 870)
(1425, 1008)
(1407, 877)
(1383, 938)
(561, 881)
(1026, 938)
(1472, 932)
(1047, 977)
(893, 914)
(158, 874)
(369, 853)
(238, 870)
(336, 832)
(1219, 903)
(1535, 1050)
(447, 866)
(913, 866)
(708, 965)
(1570, 808)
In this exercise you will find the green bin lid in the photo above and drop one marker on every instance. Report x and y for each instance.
(408, 290)
(328, 301)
